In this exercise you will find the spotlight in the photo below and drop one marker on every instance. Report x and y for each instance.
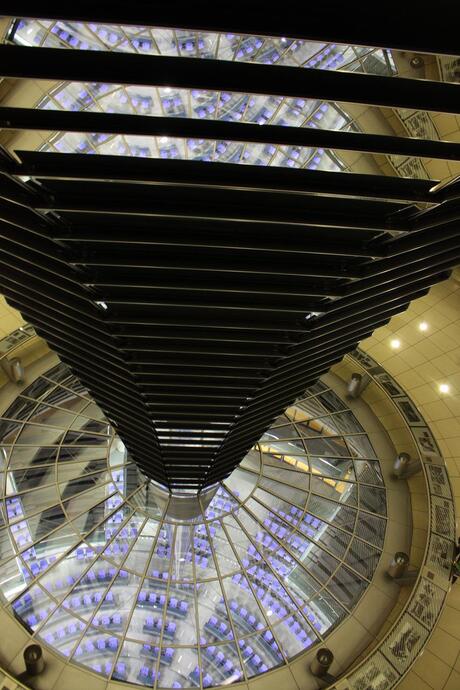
(423, 326)
(444, 388)
(395, 344)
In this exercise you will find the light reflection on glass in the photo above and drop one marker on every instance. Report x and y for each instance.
(275, 559)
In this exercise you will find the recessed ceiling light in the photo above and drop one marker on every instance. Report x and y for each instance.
(395, 344)
(444, 388)
(423, 326)
(163, 140)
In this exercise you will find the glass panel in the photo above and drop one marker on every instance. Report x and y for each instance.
(346, 587)
(368, 472)
(294, 635)
(288, 493)
(360, 446)
(220, 665)
(363, 558)
(25, 456)
(141, 551)
(225, 558)
(252, 583)
(97, 651)
(373, 499)
(371, 528)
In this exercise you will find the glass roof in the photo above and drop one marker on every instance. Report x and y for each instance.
(172, 102)
(96, 562)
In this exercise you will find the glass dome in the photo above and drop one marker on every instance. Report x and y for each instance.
(198, 103)
(97, 562)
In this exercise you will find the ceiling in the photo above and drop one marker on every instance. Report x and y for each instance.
(196, 299)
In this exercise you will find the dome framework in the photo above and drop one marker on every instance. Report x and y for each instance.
(100, 570)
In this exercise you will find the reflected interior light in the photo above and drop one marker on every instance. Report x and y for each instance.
(444, 388)
(127, 510)
(423, 326)
(395, 344)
